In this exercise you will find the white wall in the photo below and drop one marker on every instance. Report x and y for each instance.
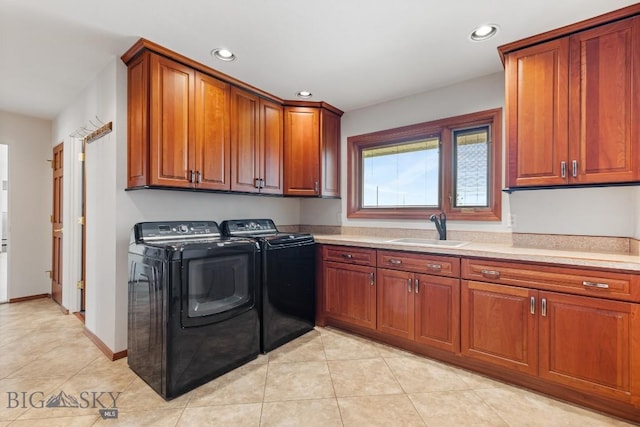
(610, 211)
(29, 257)
(112, 211)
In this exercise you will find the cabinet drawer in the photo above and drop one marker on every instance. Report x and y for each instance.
(623, 286)
(348, 254)
(420, 263)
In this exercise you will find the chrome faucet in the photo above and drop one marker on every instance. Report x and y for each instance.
(441, 225)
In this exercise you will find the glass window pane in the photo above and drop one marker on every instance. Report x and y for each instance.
(404, 175)
(471, 160)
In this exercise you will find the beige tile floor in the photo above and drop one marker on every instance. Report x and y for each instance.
(325, 378)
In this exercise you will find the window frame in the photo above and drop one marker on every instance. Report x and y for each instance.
(444, 128)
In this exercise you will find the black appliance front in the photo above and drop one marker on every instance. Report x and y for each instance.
(288, 291)
(192, 311)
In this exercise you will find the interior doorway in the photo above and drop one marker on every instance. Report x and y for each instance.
(4, 221)
(56, 225)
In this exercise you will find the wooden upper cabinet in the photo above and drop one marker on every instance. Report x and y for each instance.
(138, 122)
(536, 105)
(172, 122)
(257, 144)
(271, 147)
(211, 158)
(604, 103)
(312, 151)
(573, 107)
(245, 116)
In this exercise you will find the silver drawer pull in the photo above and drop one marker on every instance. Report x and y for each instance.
(347, 256)
(595, 285)
(395, 261)
(492, 273)
(434, 266)
(532, 305)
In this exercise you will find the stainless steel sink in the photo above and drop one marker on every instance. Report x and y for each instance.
(429, 242)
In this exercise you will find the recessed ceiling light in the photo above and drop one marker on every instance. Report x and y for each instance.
(484, 32)
(304, 94)
(223, 54)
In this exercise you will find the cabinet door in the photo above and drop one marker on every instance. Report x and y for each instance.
(212, 141)
(536, 104)
(172, 127)
(271, 147)
(330, 179)
(302, 151)
(350, 293)
(590, 344)
(604, 96)
(437, 311)
(137, 122)
(245, 113)
(395, 303)
(500, 325)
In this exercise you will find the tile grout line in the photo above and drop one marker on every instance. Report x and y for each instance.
(335, 396)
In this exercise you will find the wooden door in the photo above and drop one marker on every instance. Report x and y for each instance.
(172, 123)
(536, 104)
(437, 311)
(350, 293)
(271, 147)
(212, 159)
(395, 303)
(245, 115)
(330, 176)
(604, 96)
(590, 344)
(56, 224)
(302, 151)
(500, 325)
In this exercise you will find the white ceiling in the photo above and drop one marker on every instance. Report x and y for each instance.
(349, 53)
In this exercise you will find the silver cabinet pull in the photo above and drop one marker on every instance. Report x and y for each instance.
(563, 169)
(395, 261)
(409, 285)
(347, 256)
(191, 175)
(434, 267)
(532, 305)
(543, 308)
(256, 183)
(595, 285)
(574, 168)
(490, 273)
(316, 187)
(198, 177)
(372, 278)
(417, 286)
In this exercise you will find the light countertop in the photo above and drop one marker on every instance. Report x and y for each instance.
(494, 250)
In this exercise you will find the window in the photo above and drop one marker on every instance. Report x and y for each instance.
(451, 165)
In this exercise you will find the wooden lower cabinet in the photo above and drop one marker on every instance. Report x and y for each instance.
(591, 345)
(419, 307)
(350, 293)
(587, 344)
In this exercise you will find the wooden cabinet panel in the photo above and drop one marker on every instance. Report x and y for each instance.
(437, 311)
(245, 115)
(330, 151)
(350, 293)
(536, 108)
(302, 151)
(349, 254)
(605, 284)
(420, 263)
(172, 119)
(395, 303)
(212, 134)
(589, 344)
(137, 122)
(498, 325)
(271, 146)
(604, 100)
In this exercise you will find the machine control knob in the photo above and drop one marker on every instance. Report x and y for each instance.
(183, 228)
